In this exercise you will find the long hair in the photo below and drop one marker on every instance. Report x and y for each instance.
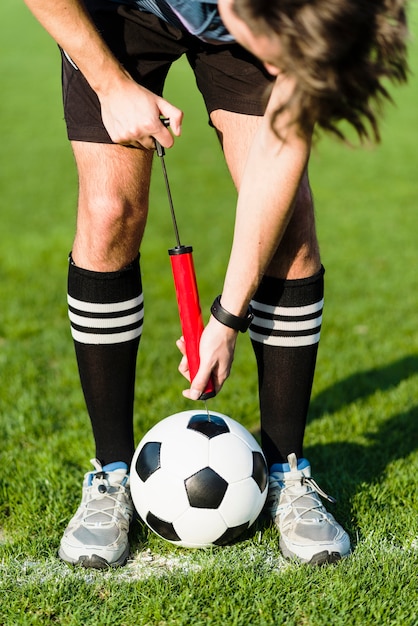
(342, 53)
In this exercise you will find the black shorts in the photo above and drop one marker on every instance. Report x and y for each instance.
(228, 76)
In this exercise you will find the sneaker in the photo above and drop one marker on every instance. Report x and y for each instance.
(307, 531)
(97, 535)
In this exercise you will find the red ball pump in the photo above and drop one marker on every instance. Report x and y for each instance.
(187, 294)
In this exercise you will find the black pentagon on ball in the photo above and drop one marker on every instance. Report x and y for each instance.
(205, 489)
(260, 470)
(230, 535)
(162, 528)
(208, 425)
(149, 460)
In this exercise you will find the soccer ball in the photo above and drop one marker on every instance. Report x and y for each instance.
(199, 479)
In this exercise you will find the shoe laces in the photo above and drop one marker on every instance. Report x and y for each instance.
(298, 493)
(104, 502)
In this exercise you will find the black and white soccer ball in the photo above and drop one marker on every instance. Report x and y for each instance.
(199, 479)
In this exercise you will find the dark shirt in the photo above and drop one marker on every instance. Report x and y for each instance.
(198, 18)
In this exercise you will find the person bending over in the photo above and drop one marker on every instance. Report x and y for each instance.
(272, 73)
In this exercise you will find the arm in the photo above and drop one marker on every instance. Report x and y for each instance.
(271, 179)
(130, 112)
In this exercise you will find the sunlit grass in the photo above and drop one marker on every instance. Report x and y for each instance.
(362, 433)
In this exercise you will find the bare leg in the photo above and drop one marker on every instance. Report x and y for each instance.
(105, 290)
(112, 204)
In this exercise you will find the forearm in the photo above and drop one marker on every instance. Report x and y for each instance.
(265, 205)
(68, 22)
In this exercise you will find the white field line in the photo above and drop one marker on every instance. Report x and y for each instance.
(141, 566)
(146, 564)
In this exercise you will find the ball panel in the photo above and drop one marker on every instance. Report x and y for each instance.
(210, 425)
(260, 470)
(205, 489)
(240, 431)
(231, 457)
(162, 494)
(184, 454)
(251, 501)
(199, 527)
(231, 535)
(148, 460)
(162, 528)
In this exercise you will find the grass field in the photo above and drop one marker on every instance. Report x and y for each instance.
(362, 435)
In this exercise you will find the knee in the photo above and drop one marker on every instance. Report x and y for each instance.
(110, 217)
(109, 231)
(114, 213)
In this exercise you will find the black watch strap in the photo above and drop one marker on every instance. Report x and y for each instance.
(228, 319)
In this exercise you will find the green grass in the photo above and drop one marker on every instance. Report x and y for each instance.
(362, 436)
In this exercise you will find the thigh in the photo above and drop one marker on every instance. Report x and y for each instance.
(236, 133)
(112, 206)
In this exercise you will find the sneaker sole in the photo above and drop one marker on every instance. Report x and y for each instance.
(94, 561)
(320, 558)
(325, 558)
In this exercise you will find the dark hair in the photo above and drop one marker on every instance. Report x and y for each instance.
(340, 52)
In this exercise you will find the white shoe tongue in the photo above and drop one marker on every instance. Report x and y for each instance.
(297, 475)
(113, 476)
(105, 483)
(116, 476)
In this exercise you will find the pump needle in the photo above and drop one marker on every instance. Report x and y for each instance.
(207, 410)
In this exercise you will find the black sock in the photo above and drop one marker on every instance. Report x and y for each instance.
(106, 315)
(285, 335)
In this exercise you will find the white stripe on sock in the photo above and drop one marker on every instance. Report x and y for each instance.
(287, 326)
(109, 322)
(276, 329)
(288, 311)
(121, 315)
(285, 342)
(112, 307)
(98, 339)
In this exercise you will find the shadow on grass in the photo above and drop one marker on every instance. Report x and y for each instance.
(396, 439)
(342, 467)
(361, 385)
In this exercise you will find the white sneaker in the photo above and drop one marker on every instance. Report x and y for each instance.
(307, 531)
(97, 535)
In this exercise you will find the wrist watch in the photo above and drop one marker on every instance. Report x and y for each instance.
(228, 319)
